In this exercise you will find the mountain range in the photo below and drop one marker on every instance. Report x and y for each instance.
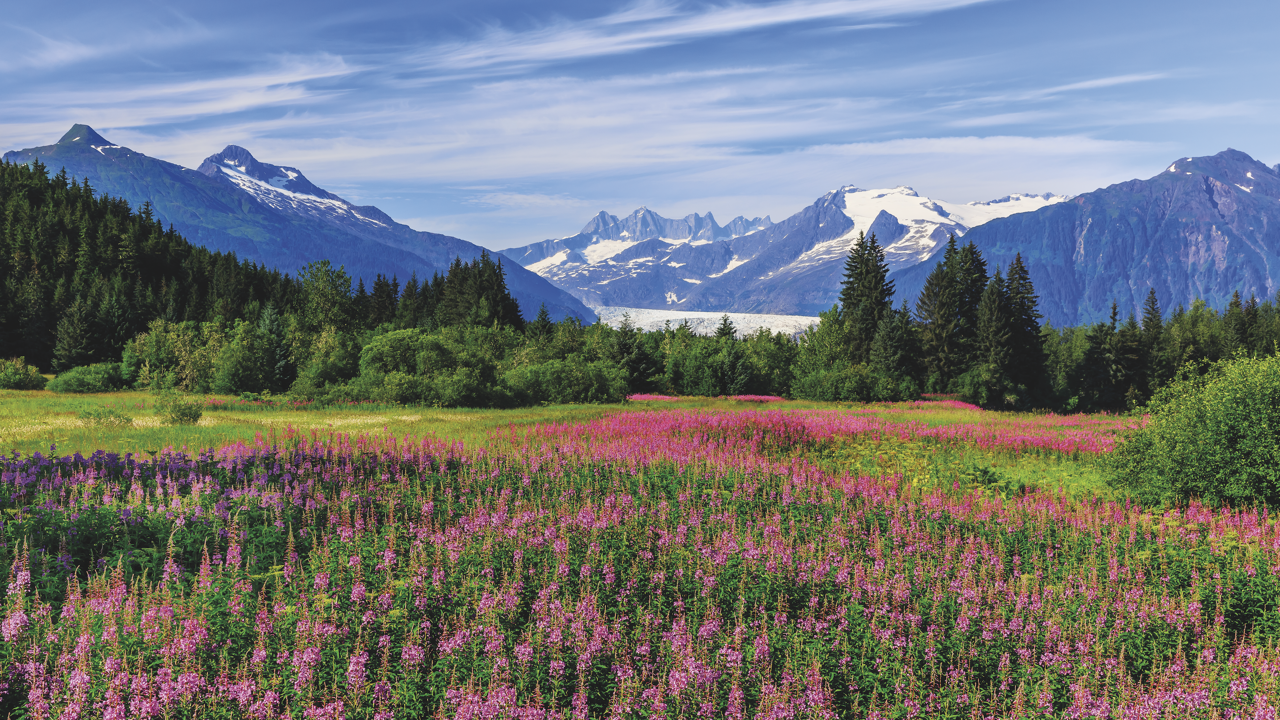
(1203, 228)
(274, 216)
(753, 266)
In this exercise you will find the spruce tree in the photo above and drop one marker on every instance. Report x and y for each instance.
(1026, 346)
(970, 273)
(542, 326)
(725, 330)
(73, 347)
(866, 295)
(937, 310)
(995, 327)
(895, 353)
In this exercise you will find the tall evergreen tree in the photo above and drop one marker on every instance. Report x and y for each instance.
(995, 327)
(970, 273)
(866, 295)
(1026, 348)
(938, 311)
(895, 353)
(74, 344)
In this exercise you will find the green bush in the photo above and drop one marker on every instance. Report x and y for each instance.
(16, 374)
(854, 383)
(97, 378)
(176, 409)
(104, 417)
(984, 385)
(1213, 437)
(569, 381)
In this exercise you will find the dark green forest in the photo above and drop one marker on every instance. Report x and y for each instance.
(105, 297)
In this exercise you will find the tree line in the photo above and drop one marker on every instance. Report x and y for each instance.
(105, 296)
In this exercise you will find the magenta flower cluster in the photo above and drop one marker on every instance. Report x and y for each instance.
(645, 565)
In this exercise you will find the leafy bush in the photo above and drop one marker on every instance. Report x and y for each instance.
(986, 386)
(854, 383)
(1214, 436)
(96, 378)
(104, 417)
(176, 409)
(569, 381)
(16, 374)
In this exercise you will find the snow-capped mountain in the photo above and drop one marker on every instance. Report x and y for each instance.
(1202, 228)
(910, 227)
(286, 189)
(757, 266)
(276, 217)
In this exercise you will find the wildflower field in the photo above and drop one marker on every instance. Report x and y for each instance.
(667, 560)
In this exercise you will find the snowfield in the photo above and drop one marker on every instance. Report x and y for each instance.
(705, 323)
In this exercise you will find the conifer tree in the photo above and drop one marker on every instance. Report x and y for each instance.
(542, 326)
(725, 330)
(866, 295)
(970, 273)
(73, 347)
(938, 311)
(995, 327)
(895, 353)
(1027, 356)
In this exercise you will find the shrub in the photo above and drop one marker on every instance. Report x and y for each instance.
(854, 383)
(16, 374)
(97, 378)
(569, 381)
(176, 409)
(104, 417)
(1215, 437)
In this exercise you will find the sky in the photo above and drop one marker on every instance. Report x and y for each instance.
(506, 123)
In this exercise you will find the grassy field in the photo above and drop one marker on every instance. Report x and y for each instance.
(36, 420)
(32, 421)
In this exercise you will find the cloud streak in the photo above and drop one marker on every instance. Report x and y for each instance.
(655, 25)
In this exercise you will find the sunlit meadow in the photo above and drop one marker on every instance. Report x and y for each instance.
(670, 559)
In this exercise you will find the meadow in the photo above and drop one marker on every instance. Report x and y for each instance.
(687, 558)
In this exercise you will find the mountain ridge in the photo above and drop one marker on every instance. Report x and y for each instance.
(757, 266)
(230, 204)
(1203, 228)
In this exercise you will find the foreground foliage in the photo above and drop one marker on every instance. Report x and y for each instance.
(651, 564)
(1213, 436)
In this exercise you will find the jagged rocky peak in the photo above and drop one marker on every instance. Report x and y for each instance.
(83, 134)
(742, 226)
(234, 158)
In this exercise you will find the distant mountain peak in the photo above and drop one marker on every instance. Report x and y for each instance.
(241, 161)
(83, 134)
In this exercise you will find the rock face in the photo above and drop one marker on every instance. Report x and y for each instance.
(753, 266)
(1203, 228)
(274, 216)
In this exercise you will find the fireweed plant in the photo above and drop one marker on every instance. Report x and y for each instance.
(660, 564)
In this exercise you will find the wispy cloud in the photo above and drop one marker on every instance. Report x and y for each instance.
(530, 202)
(27, 49)
(281, 81)
(653, 25)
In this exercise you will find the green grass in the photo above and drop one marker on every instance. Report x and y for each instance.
(32, 421)
(926, 463)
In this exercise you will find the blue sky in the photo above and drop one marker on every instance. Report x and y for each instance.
(505, 123)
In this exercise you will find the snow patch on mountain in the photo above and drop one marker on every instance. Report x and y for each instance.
(276, 196)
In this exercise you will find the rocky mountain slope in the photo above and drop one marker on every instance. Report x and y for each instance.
(274, 216)
(754, 266)
(1204, 228)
